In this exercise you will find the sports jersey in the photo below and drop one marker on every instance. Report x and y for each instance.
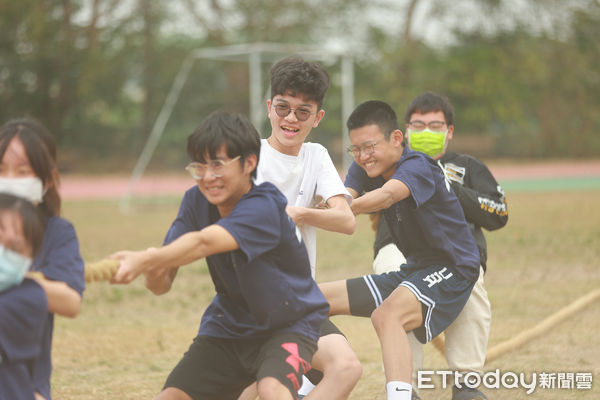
(58, 260)
(306, 180)
(429, 226)
(266, 284)
(23, 310)
(480, 196)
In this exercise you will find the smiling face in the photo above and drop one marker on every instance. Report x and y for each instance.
(232, 182)
(378, 155)
(288, 133)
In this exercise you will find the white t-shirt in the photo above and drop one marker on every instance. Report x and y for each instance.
(306, 180)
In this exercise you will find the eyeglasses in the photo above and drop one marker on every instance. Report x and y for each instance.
(283, 110)
(435, 126)
(197, 170)
(366, 149)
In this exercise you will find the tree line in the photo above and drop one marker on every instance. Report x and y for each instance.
(523, 75)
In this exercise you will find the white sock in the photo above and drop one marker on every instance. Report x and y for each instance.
(306, 387)
(397, 390)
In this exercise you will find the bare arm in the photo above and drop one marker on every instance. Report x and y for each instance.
(62, 299)
(379, 199)
(187, 248)
(159, 281)
(337, 217)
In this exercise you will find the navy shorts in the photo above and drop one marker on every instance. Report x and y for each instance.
(442, 291)
(220, 369)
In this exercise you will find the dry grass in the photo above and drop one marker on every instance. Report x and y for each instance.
(126, 341)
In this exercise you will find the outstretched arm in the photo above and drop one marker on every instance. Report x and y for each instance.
(159, 281)
(379, 199)
(62, 299)
(336, 217)
(187, 248)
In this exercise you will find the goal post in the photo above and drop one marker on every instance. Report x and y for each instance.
(254, 54)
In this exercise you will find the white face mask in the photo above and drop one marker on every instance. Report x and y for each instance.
(28, 188)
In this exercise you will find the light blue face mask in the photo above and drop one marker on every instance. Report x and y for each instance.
(12, 268)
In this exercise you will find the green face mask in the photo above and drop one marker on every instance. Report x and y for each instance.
(428, 142)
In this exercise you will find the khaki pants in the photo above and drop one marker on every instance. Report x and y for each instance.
(466, 338)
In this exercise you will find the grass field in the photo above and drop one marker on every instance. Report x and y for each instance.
(126, 340)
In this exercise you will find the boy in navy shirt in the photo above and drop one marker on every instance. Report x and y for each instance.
(264, 321)
(429, 227)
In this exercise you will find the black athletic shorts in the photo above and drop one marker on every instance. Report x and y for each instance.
(220, 369)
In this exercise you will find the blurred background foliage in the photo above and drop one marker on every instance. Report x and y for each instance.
(523, 75)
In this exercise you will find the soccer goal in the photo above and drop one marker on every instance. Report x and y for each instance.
(255, 55)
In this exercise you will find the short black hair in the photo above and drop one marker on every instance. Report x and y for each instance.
(33, 227)
(374, 112)
(299, 78)
(430, 102)
(222, 128)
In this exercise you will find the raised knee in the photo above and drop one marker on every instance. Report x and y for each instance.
(269, 388)
(353, 369)
(380, 317)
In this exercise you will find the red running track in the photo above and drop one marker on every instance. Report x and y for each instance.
(76, 187)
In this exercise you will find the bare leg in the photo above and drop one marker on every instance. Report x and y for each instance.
(336, 294)
(399, 313)
(270, 388)
(250, 393)
(172, 393)
(340, 366)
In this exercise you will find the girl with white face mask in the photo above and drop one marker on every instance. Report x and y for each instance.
(23, 305)
(28, 169)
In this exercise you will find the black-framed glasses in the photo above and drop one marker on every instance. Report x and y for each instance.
(197, 169)
(435, 126)
(301, 113)
(366, 149)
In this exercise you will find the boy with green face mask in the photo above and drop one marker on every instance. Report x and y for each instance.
(429, 122)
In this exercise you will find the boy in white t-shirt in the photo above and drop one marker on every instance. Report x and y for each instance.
(307, 177)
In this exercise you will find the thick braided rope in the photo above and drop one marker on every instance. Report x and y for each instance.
(101, 270)
(527, 335)
(541, 328)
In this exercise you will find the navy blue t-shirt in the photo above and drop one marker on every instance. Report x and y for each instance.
(23, 310)
(429, 226)
(266, 284)
(58, 260)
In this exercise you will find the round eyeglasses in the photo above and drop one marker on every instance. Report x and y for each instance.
(366, 149)
(434, 126)
(197, 169)
(283, 110)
